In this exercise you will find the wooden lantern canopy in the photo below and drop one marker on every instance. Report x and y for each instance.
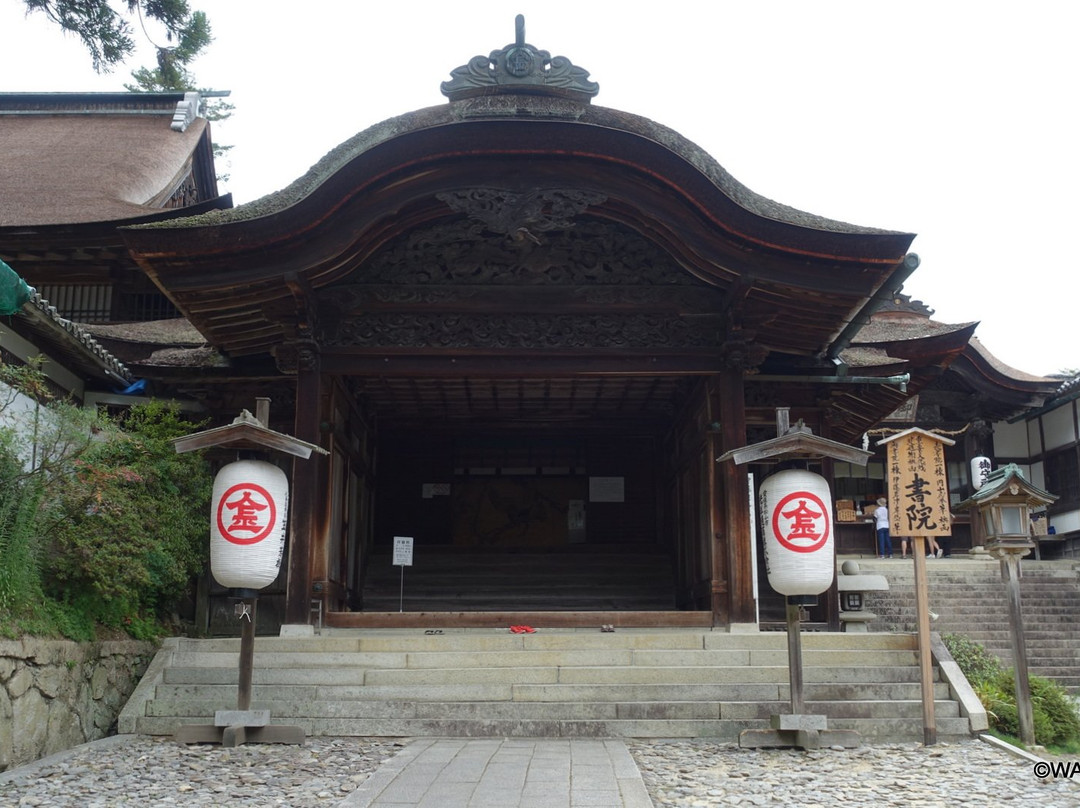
(1003, 504)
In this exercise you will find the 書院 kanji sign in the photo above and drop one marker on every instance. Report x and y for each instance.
(918, 488)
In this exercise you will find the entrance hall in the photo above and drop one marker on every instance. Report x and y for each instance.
(536, 495)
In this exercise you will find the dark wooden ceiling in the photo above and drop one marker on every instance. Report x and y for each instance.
(534, 402)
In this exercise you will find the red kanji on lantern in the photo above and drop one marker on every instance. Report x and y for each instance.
(254, 514)
(803, 527)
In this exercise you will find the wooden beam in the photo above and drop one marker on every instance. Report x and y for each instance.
(394, 363)
(358, 299)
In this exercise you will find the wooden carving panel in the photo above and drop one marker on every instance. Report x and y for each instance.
(450, 331)
(466, 252)
(458, 286)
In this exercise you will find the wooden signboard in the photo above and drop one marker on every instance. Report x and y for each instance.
(918, 489)
(918, 502)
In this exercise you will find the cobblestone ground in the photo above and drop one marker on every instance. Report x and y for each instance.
(158, 772)
(679, 774)
(698, 774)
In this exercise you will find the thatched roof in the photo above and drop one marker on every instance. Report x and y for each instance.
(72, 159)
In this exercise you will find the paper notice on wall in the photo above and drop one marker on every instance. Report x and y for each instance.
(430, 490)
(607, 489)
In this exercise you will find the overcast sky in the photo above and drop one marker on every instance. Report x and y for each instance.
(953, 120)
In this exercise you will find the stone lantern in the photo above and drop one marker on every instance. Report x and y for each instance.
(1003, 505)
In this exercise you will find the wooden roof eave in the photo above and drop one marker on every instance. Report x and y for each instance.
(989, 375)
(426, 153)
(864, 405)
(664, 194)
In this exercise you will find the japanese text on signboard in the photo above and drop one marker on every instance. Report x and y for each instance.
(918, 486)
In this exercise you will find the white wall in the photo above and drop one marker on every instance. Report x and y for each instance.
(56, 372)
(1010, 440)
(1059, 428)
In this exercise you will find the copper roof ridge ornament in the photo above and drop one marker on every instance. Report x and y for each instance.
(520, 68)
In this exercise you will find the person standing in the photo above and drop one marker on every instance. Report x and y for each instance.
(881, 524)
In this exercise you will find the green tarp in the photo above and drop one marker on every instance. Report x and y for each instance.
(13, 290)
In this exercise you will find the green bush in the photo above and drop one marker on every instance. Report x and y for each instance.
(101, 521)
(1050, 699)
(135, 527)
(1055, 719)
(978, 664)
(1053, 715)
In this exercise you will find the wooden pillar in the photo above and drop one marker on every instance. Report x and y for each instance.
(307, 488)
(736, 523)
(714, 490)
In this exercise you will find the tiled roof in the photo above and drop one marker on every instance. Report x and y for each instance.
(67, 341)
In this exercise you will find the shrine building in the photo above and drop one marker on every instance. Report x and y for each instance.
(523, 326)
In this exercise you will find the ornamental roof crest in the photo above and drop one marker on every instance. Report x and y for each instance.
(520, 68)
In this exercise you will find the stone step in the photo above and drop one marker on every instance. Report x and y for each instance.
(225, 694)
(697, 674)
(285, 710)
(635, 683)
(394, 641)
(540, 658)
(871, 728)
(1057, 672)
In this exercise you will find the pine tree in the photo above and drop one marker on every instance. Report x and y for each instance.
(107, 33)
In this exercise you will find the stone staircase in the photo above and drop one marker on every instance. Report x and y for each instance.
(968, 595)
(555, 683)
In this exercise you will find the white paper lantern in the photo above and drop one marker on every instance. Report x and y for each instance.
(797, 530)
(980, 470)
(247, 524)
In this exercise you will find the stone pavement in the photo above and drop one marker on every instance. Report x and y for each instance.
(133, 771)
(498, 773)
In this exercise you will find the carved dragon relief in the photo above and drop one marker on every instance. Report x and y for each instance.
(461, 253)
(521, 215)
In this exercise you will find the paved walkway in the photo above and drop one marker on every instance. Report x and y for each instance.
(506, 773)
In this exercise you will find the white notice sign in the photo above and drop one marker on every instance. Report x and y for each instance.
(607, 489)
(403, 551)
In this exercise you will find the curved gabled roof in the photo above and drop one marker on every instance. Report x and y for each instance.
(795, 278)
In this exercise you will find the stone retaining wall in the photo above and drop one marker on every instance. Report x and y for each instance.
(56, 694)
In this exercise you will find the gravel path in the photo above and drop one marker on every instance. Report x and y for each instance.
(145, 772)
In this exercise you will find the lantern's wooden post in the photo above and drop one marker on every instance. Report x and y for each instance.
(794, 645)
(1010, 571)
(247, 652)
(926, 670)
